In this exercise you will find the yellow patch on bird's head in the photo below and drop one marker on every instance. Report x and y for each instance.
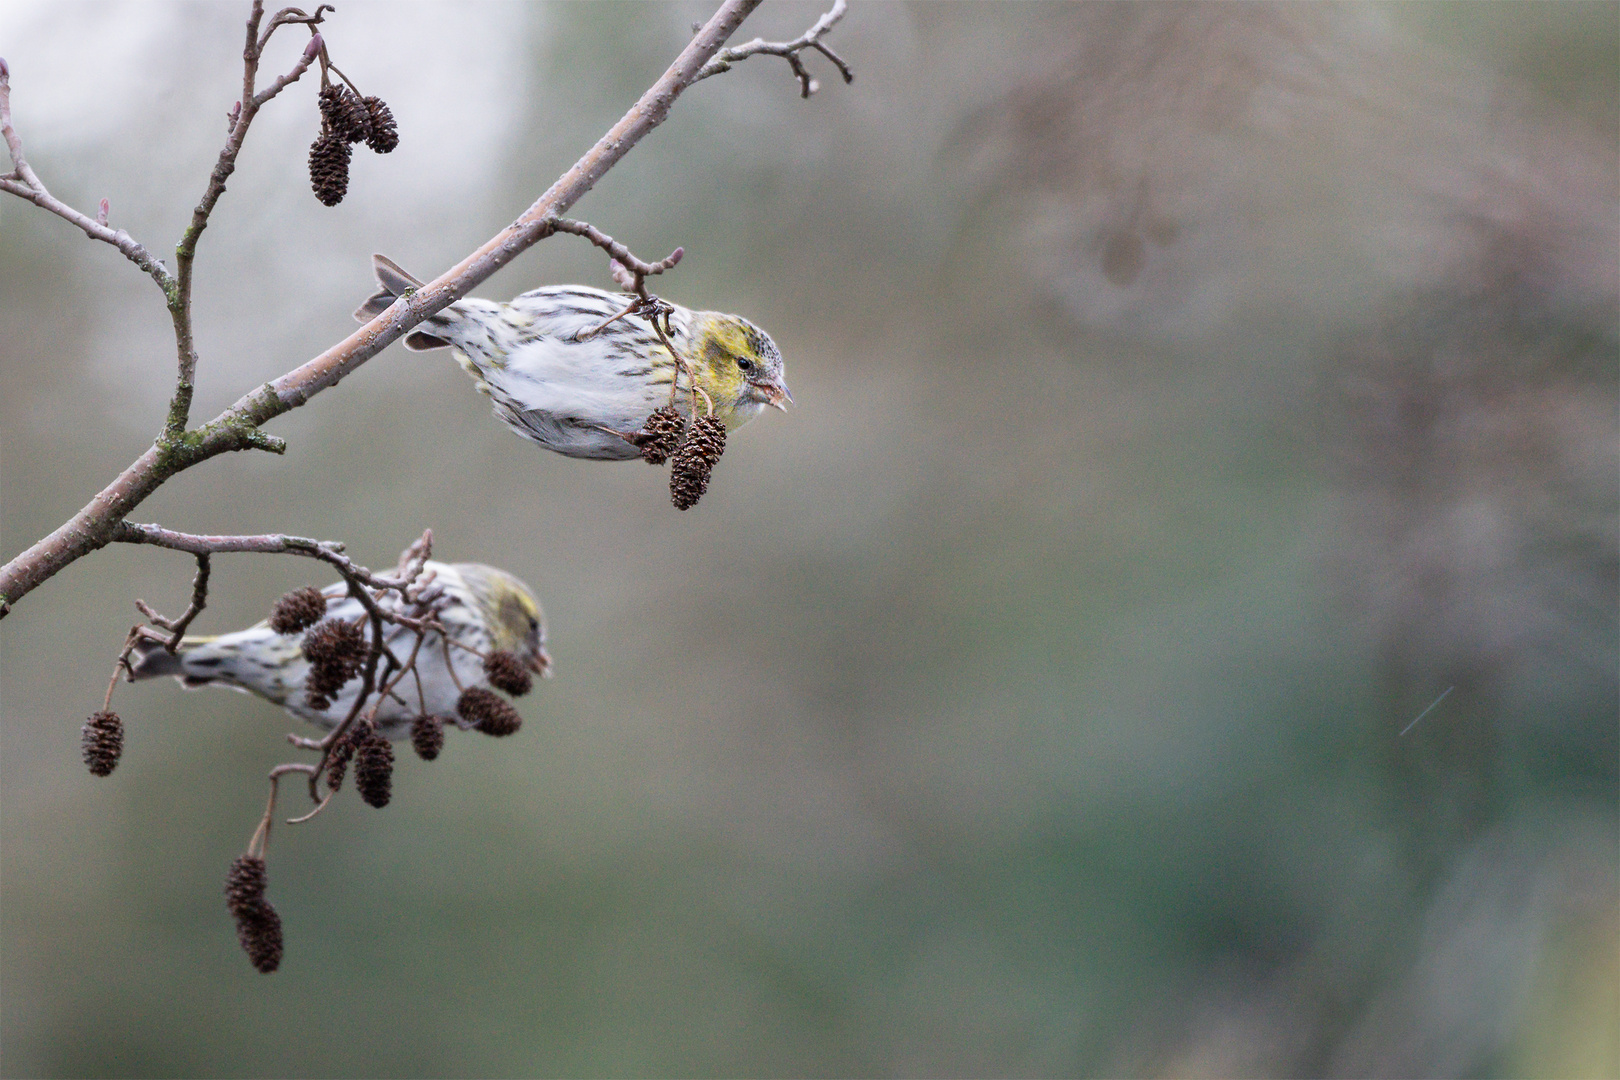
(738, 365)
(516, 623)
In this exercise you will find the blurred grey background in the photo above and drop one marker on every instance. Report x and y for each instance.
(1188, 397)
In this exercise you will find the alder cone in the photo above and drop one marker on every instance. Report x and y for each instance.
(259, 933)
(102, 740)
(337, 763)
(427, 736)
(329, 167)
(245, 884)
(373, 767)
(694, 461)
(488, 712)
(332, 112)
(507, 673)
(298, 611)
(335, 650)
(258, 927)
(344, 114)
(384, 133)
(660, 435)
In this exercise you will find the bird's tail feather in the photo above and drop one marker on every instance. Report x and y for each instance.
(150, 660)
(394, 281)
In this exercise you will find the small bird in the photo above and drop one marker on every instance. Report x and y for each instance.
(482, 608)
(583, 393)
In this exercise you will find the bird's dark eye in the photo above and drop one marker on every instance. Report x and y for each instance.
(744, 364)
(534, 623)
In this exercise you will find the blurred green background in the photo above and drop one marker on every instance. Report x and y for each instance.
(1187, 397)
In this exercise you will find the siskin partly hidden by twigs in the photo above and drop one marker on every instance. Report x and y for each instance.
(464, 612)
(578, 371)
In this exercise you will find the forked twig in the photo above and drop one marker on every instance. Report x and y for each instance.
(789, 51)
(199, 600)
(639, 268)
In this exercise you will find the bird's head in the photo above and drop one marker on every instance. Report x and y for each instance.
(739, 366)
(515, 620)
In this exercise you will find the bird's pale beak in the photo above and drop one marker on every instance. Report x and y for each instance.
(540, 662)
(774, 394)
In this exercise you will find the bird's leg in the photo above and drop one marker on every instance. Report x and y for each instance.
(654, 310)
(628, 436)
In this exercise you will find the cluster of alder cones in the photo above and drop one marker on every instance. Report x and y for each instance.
(346, 118)
(258, 927)
(336, 651)
(691, 453)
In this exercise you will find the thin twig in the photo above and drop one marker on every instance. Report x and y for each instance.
(586, 335)
(261, 836)
(327, 551)
(444, 644)
(327, 798)
(179, 298)
(199, 600)
(23, 182)
(640, 268)
(681, 367)
(136, 635)
(292, 15)
(789, 51)
(368, 677)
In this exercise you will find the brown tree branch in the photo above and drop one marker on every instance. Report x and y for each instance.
(789, 51)
(101, 521)
(186, 251)
(628, 270)
(24, 183)
(327, 551)
(617, 251)
(199, 600)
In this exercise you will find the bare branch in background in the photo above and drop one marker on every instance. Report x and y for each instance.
(186, 251)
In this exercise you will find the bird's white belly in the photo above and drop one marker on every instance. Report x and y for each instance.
(563, 395)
